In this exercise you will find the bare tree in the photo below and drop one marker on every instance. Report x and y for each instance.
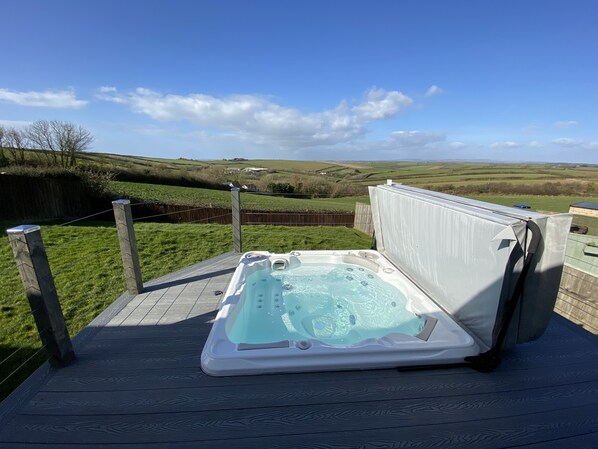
(61, 141)
(16, 143)
(2, 134)
(40, 135)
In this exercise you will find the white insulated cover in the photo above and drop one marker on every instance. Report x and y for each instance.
(467, 255)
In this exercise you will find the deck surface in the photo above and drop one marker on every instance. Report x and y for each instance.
(137, 383)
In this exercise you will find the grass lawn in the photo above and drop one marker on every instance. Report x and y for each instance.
(86, 265)
(190, 196)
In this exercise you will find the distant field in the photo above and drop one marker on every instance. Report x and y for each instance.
(539, 203)
(525, 182)
(189, 196)
(361, 171)
(218, 198)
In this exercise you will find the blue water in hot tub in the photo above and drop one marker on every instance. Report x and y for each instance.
(337, 304)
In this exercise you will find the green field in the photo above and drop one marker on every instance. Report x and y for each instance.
(537, 202)
(87, 268)
(189, 196)
(218, 198)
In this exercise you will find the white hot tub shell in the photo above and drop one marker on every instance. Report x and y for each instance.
(440, 341)
(484, 276)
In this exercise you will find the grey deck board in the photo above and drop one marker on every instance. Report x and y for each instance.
(137, 383)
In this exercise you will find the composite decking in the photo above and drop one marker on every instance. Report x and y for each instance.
(137, 383)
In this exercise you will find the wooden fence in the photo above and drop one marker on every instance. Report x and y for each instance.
(219, 215)
(578, 298)
(363, 218)
(35, 198)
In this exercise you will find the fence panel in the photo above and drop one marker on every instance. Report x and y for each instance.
(363, 218)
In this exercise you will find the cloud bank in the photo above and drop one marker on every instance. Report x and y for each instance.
(259, 119)
(61, 99)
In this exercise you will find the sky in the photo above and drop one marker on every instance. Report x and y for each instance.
(337, 80)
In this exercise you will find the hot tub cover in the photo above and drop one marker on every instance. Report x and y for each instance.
(467, 255)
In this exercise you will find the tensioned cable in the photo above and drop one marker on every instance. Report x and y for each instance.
(145, 202)
(307, 225)
(11, 297)
(306, 196)
(207, 219)
(12, 354)
(23, 364)
(6, 330)
(169, 213)
(310, 214)
(85, 218)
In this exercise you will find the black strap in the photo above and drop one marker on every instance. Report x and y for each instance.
(489, 360)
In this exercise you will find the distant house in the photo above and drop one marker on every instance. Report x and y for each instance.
(254, 169)
(585, 208)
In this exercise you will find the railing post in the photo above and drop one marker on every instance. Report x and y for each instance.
(38, 283)
(236, 211)
(128, 245)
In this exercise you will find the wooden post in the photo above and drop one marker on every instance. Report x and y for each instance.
(32, 262)
(128, 245)
(236, 211)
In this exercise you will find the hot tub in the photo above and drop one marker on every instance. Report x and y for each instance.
(327, 310)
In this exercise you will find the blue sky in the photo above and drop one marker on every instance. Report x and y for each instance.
(325, 80)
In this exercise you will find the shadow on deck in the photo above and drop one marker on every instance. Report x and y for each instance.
(137, 383)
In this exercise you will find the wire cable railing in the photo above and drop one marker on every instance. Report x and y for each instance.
(6, 330)
(18, 368)
(169, 213)
(74, 257)
(306, 195)
(10, 298)
(77, 220)
(201, 220)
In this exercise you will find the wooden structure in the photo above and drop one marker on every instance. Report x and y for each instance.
(584, 208)
(578, 298)
(137, 384)
(363, 218)
(128, 245)
(236, 219)
(38, 283)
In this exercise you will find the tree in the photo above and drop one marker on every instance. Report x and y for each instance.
(16, 143)
(61, 141)
(3, 159)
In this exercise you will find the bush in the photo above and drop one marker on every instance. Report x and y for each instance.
(280, 187)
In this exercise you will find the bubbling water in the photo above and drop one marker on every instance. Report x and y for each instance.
(337, 304)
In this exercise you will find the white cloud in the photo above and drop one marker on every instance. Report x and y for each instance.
(535, 144)
(19, 124)
(505, 145)
(433, 90)
(380, 104)
(257, 119)
(457, 145)
(574, 143)
(63, 99)
(107, 89)
(415, 138)
(565, 124)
